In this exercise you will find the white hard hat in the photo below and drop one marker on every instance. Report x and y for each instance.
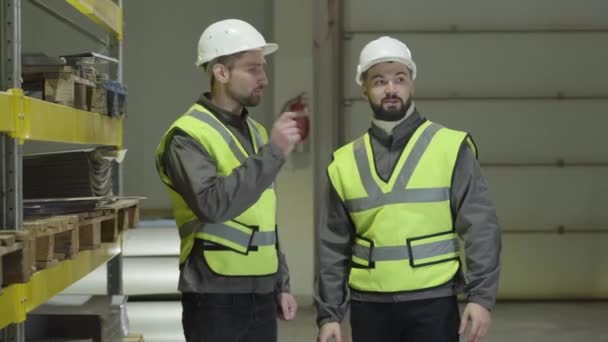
(384, 49)
(230, 36)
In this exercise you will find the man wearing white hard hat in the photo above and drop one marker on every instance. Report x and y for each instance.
(401, 199)
(219, 165)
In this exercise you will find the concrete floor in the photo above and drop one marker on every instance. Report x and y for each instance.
(520, 322)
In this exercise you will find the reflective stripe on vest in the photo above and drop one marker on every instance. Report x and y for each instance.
(414, 250)
(244, 237)
(400, 193)
(227, 135)
(246, 244)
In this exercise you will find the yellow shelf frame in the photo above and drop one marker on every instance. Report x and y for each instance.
(25, 118)
(103, 12)
(17, 300)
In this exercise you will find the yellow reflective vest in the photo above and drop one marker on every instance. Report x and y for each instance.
(245, 245)
(405, 238)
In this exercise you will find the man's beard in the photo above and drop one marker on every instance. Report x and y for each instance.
(246, 101)
(390, 115)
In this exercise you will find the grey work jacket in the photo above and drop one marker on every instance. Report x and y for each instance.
(475, 222)
(214, 198)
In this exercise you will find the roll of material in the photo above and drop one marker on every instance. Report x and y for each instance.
(150, 262)
(141, 276)
(161, 241)
(159, 321)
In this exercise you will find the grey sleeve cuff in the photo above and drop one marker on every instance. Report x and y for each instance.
(328, 320)
(487, 303)
(276, 152)
(335, 234)
(282, 282)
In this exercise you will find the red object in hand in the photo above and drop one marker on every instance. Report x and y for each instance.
(303, 123)
(302, 119)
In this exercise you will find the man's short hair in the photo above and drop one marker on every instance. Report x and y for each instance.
(228, 61)
(366, 72)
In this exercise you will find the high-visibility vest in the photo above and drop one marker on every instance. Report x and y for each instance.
(405, 239)
(246, 244)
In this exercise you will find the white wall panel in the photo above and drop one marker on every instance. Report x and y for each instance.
(545, 198)
(387, 15)
(542, 266)
(490, 65)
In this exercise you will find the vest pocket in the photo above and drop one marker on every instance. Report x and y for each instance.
(362, 253)
(433, 249)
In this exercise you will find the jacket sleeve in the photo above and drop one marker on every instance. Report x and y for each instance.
(336, 235)
(283, 280)
(477, 225)
(215, 198)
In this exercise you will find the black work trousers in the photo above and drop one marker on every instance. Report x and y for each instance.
(428, 320)
(229, 317)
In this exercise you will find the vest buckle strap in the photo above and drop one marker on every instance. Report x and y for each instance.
(419, 251)
(231, 235)
(238, 237)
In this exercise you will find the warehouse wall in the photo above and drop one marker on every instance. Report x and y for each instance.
(529, 96)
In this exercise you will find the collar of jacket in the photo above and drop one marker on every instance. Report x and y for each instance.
(226, 117)
(401, 133)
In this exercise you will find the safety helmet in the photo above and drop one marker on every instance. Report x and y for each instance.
(384, 49)
(230, 36)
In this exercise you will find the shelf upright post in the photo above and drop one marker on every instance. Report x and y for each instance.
(114, 266)
(11, 190)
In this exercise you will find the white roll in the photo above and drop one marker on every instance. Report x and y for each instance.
(159, 321)
(141, 276)
(158, 241)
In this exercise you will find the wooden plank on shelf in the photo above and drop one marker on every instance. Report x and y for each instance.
(21, 265)
(127, 211)
(133, 337)
(9, 256)
(7, 239)
(56, 238)
(97, 227)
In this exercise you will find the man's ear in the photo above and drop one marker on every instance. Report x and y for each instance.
(221, 73)
(364, 90)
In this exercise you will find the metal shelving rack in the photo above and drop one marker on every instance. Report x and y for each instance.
(22, 119)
